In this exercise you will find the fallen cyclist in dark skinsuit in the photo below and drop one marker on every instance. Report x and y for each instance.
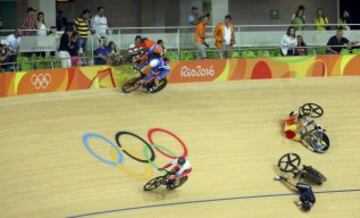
(307, 198)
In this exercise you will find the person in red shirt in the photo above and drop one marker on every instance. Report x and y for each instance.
(29, 21)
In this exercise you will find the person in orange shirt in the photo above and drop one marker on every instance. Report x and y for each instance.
(200, 36)
(225, 37)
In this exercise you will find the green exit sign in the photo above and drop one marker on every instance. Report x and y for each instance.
(274, 14)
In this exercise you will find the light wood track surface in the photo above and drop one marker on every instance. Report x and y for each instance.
(232, 131)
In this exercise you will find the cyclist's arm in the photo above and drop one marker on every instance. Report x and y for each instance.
(290, 184)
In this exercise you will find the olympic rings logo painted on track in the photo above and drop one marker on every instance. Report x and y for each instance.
(147, 158)
(41, 81)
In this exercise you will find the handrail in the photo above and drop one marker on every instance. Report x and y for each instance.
(178, 52)
(191, 27)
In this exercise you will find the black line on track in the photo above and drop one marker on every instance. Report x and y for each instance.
(205, 201)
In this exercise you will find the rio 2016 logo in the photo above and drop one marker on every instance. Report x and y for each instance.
(147, 158)
(198, 71)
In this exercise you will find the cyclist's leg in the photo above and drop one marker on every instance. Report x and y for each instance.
(161, 75)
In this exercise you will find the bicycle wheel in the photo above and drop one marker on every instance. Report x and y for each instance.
(163, 83)
(154, 183)
(132, 85)
(320, 142)
(289, 163)
(311, 110)
(181, 182)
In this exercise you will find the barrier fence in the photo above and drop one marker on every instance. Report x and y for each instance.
(62, 79)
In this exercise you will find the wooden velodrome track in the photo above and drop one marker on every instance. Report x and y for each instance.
(232, 132)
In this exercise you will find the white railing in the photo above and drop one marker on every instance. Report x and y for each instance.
(182, 38)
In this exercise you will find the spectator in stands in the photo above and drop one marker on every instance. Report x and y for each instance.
(14, 41)
(113, 48)
(289, 42)
(29, 21)
(99, 23)
(301, 49)
(161, 43)
(299, 18)
(65, 47)
(194, 17)
(102, 53)
(344, 21)
(200, 36)
(82, 27)
(115, 58)
(338, 42)
(40, 24)
(4, 54)
(74, 49)
(61, 21)
(225, 37)
(321, 20)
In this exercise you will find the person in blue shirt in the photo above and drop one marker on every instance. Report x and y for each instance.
(194, 17)
(102, 53)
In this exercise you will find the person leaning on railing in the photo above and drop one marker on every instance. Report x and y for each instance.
(301, 49)
(225, 37)
(200, 36)
(65, 47)
(14, 41)
(4, 54)
(29, 22)
(82, 27)
(289, 42)
(338, 42)
(102, 54)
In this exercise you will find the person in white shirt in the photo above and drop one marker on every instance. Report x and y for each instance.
(14, 41)
(225, 37)
(289, 42)
(99, 23)
(40, 24)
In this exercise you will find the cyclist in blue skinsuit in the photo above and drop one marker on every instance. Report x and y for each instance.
(307, 198)
(159, 70)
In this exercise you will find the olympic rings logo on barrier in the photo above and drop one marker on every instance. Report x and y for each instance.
(41, 81)
(147, 158)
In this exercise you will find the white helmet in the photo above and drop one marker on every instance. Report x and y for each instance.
(154, 63)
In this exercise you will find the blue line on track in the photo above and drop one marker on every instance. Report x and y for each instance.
(204, 201)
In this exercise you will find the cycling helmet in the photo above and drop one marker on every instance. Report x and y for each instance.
(181, 161)
(305, 203)
(154, 63)
(293, 114)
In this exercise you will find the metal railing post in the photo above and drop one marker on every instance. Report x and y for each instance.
(178, 43)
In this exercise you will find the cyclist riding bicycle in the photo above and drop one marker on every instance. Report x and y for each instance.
(159, 69)
(307, 198)
(150, 51)
(181, 168)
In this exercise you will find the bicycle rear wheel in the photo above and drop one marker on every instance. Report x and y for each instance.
(181, 182)
(320, 142)
(163, 83)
